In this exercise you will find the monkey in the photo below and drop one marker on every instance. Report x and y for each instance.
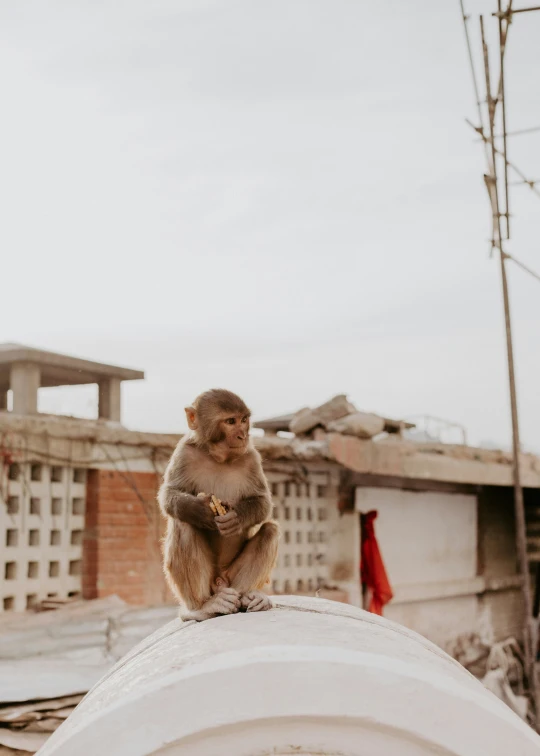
(217, 565)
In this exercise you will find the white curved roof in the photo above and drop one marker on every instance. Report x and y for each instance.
(311, 675)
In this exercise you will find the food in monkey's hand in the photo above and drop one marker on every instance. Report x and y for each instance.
(221, 508)
(216, 505)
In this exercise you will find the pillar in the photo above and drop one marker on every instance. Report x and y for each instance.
(109, 399)
(25, 382)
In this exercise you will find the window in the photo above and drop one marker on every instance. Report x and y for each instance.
(33, 538)
(36, 472)
(77, 506)
(75, 567)
(54, 569)
(56, 506)
(76, 537)
(12, 537)
(13, 505)
(35, 505)
(14, 471)
(10, 571)
(56, 538)
(57, 473)
(31, 600)
(79, 475)
(9, 603)
(33, 570)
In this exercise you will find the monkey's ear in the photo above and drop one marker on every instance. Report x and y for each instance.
(191, 417)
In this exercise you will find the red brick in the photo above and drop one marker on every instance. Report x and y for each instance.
(122, 537)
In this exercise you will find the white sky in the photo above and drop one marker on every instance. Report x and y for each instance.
(281, 198)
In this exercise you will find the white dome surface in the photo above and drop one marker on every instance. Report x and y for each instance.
(309, 677)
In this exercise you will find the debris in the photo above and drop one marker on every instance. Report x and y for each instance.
(49, 661)
(307, 419)
(499, 666)
(29, 742)
(360, 424)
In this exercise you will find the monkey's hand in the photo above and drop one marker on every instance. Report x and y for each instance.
(229, 524)
(256, 601)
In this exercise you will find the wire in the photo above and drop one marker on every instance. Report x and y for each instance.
(522, 266)
(512, 166)
(465, 18)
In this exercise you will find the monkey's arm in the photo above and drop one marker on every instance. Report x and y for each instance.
(183, 506)
(254, 509)
(175, 501)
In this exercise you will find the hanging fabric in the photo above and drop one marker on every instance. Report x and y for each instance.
(372, 570)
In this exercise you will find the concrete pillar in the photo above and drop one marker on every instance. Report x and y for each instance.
(25, 382)
(109, 399)
(3, 399)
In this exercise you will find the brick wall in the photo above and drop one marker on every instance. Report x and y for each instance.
(121, 547)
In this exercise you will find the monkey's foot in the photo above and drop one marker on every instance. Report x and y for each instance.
(256, 601)
(227, 601)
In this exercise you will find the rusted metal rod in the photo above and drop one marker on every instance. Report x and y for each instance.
(519, 506)
(511, 11)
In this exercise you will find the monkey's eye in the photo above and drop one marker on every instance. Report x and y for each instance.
(245, 419)
(230, 420)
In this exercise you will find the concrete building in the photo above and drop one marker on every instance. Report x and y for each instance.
(24, 370)
(78, 515)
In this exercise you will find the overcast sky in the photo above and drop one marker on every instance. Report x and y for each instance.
(280, 197)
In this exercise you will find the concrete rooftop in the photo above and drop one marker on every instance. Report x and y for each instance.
(60, 369)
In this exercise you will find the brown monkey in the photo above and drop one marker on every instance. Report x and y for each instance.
(218, 565)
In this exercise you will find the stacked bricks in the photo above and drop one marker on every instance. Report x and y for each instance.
(122, 542)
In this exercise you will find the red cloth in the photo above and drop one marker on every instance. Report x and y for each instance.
(372, 571)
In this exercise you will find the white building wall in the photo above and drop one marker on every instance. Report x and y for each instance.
(318, 547)
(42, 511)
(428, 541)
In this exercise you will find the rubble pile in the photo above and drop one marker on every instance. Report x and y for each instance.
(499, 666)
(339, 415)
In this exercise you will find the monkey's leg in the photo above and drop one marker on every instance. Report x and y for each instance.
(252, 567)
(188, 564)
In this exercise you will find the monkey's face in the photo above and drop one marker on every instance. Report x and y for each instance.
(220, 420)
(234, 431)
